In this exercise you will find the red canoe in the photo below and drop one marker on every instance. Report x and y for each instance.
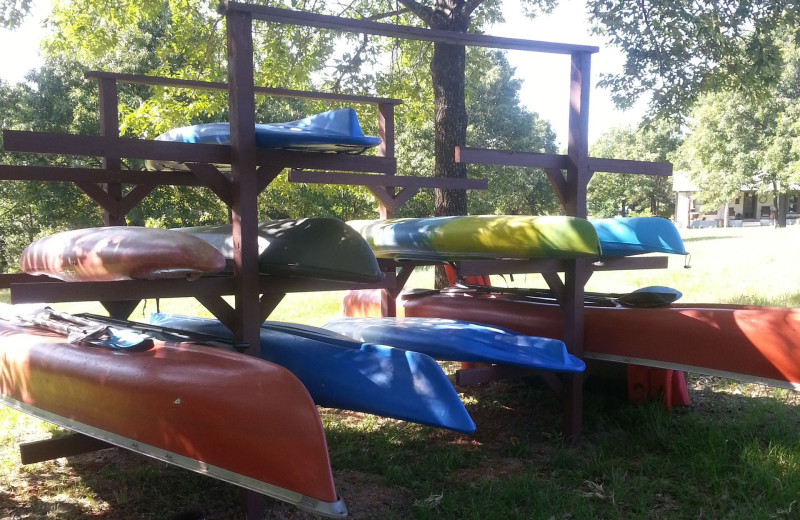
(234, 417)
(121, 253)
(756, 344)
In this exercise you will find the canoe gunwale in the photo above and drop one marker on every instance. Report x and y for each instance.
(328, 509)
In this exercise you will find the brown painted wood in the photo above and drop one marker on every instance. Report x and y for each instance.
(210, 176)
(326, 161)
(244, 207)
(219, 307)
(324, 177)
(68, 144)
(109, 128)
(57, 447)
(558, 161)
(277, 15)
(96, 175)
(7, 279)
(267, 174)
(57, 291)
(120, 309)
(266, 91)
(133, 197)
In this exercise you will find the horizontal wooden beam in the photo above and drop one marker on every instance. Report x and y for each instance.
(266, 91)
(321, 21)
(96, 175)
(557, 161)
(65, 446)
(480, 267)
(326, 161)
(56, 291)
(398, 181)
(97, 146)
(70, 144)
(50, 291)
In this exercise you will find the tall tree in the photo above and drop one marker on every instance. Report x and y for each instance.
(448, 81)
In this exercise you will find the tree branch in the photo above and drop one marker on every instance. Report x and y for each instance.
(387, 15)
(424, 13)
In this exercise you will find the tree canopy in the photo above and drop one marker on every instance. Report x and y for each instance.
(678, 50)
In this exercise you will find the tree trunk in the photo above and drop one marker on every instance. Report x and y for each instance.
(783, 207)
(450, 130)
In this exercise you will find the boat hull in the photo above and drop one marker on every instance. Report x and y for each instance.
(479, 237)
(758, 344)
(232, 416)
(637, 235)
(292, 247)
(120, 253)
(457, 340)
(341, 373)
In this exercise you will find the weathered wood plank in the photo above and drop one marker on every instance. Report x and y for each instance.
(160, 81)
(320, 21)
(324, 177)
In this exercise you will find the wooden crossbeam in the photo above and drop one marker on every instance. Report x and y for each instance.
(287, 16)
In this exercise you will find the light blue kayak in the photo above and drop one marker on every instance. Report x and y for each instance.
(341, 373)
(454, 340)
(637, 235)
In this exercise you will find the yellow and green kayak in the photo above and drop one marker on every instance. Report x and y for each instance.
(480, 237)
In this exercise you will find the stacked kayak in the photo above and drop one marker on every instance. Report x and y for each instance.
(342, 373)
(333, 131)
(749, 343)
(456, 340)
(293, 247)
(479, 237)
(120, 253)
(234, 417)
(492, 237)
(637, 235)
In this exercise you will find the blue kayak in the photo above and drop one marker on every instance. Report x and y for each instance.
(453, 340)
(341, 373)
(332, 131)
(637, 235)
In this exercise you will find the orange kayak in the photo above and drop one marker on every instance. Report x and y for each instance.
(234, 417)
(748, 343)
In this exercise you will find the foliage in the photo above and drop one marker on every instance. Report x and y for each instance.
(679, 50)
(12, 12)
(734, 143)
(616, 194)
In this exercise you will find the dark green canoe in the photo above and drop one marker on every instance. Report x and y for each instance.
(324, 248)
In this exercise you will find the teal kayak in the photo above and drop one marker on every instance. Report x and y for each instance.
(637, 235)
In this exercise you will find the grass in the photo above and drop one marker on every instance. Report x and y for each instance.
(735, 453)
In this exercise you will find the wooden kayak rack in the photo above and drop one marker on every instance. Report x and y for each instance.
(252, 170)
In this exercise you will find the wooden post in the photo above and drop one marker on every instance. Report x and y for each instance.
(109, 128)
(578, 175)
(386, 149)
(244, 208)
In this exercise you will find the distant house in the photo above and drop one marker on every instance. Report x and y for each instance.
(748, 207)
